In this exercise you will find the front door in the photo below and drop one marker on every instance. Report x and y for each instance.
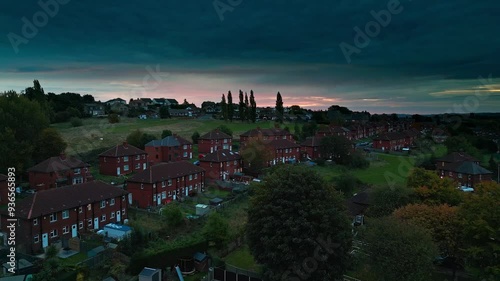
(144, 166)
(118, 171)
(118, 216)
(73, 231)
(45, 240)
(96, 223)
(158, 199)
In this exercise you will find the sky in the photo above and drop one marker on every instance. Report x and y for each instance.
(392, 56)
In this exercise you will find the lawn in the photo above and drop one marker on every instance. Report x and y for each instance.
(98, 132)
(384, 168)
(73, 260)
(243, 259)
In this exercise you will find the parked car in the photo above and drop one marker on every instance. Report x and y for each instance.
(358, 220)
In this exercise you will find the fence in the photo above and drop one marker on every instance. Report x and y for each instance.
(96, 260)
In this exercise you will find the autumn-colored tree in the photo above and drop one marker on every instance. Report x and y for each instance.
(442, 222)
(431, 189)
(480, 215)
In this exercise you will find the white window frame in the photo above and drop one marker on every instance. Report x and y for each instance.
(103, 217)
(112, 202)
(35, 221)
(125, 158)
(53, 217)
(65, 216)
(125, 168)
(65, 229)
(36, 239)
(103, 204)
(80, 225)
(53, 233)
(112, 216)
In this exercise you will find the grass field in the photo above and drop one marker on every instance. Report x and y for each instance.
(384, 168)
(97, 133)
(243, 259)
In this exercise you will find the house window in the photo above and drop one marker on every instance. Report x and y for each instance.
(123, 197)
(190, 177)
(103, 203)
(76, 171)
(53, 233)
(112, 215)
(138, 165)
(53, 217)
(65, 230)
(185, 154)
(210, 164)
(459, 175)
(195, 176)
(80, 209)
(123, 212)
(89, 223)
(35, 221)
(169, 182)
(103, 217)
(163, 184)
(80, 225)
(36, 239)
(125, 167)
(77, 180)
(137, 157)
(185, 147)
(112, 202)
(89, 207)
(163, 195)
(65, 214)
(125, 158)
(104, 158)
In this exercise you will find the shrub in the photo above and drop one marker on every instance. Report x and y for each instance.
(113, 118)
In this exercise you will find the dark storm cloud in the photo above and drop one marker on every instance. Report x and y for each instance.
(281, 43)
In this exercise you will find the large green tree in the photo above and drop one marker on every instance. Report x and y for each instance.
(241, 106)
(253, 107)
(230, 106)
(50, 143)
(256, 156)
(431, 189)
(399, 251)
(298, 227)
(480, 214)
(223, 107)
(384, 199)
(337, 148)
(279, 107)
(247, 108)
(139, 139)
(21, 124)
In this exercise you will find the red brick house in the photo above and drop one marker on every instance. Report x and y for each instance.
(4, 189)
(170, 149)
(311, 148)
(395, 140)
(221, 164)
(265, 135)
(213, 141)
(164, 182)
(465, 173)
(56, 215)
(58, 171)
(284, 151)
(122, 159)
(335, 131)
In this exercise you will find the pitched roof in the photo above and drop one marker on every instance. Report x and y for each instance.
(163, 171)
(55, 164)
(215, 135)
(222, 155)
(457, 157)
(58, 199)
(172, 101)
(182, 140)
(122, 150)
(465, 167)
(280, 144)
(265, 132)
(311, 141)
(169, 141)
(3, 177)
